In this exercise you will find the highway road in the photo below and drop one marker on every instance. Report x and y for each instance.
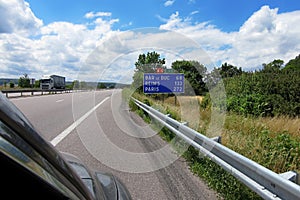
(99, 128)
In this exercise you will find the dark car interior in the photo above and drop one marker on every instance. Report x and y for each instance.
(18, 182)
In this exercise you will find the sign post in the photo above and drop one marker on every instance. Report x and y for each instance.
(32, 81)
(162, 83)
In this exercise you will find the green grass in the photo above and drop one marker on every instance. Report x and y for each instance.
(275, 148)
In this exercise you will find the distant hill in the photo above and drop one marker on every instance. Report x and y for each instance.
(99, 85)
(111, 85)
(8, 80)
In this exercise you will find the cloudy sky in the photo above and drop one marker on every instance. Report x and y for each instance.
(93, 40)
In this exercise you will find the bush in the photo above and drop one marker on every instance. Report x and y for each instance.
(261, 94)
(11, 85)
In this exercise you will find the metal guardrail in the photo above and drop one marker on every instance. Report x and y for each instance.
(266, 183)
(32, 91)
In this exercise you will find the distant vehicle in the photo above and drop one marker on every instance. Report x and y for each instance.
(34, 169)
(48, 82)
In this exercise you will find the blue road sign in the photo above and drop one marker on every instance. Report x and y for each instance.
(163, 83)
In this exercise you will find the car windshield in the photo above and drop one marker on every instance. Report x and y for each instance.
(45, 81)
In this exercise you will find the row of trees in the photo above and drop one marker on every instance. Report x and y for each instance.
(272, 90)
(23, 82)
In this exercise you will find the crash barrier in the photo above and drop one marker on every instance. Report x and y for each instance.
(266, 183)
(32, 92)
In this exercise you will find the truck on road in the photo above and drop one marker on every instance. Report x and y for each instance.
(48, 82)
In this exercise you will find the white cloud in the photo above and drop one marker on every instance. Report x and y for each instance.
(91, 15)
(17, 17)
(265, 36)
(126, 46)
(194, 12)
(15, 59)
(169, 3)
(261, 21)
(60, 47)
(206, 35)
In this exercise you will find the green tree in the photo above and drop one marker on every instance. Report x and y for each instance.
(75, 84)
(101, 86)
(146, 64)
(273, 66)
(150, 62)
(293, 64)
(228, 70)
(11, 84)
(194, 73)
(271, 91)
(37, 84)
(24, 81)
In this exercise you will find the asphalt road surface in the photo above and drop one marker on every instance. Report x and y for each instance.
(99, 128)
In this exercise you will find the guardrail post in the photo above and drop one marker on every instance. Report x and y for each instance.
(291, 176)
(185, 123)
(217, 139)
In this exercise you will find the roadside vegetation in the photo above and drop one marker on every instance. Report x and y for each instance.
(262, 118)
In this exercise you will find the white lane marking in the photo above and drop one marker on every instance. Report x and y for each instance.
(68, 130)
(60, 100)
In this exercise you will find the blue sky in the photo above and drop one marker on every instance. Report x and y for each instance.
(228, 15)
(58, 36)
